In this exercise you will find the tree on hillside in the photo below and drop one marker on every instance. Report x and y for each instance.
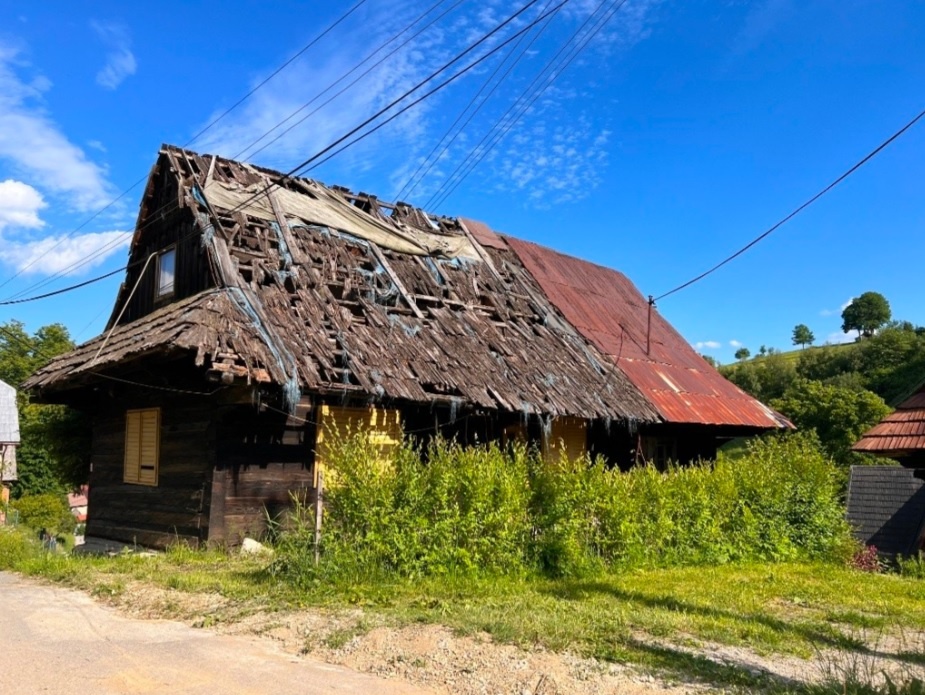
(54, 453)
(802, 336)
(712, 361)
(866, 314)
(743, 353)
(839, 415)
(764, 379)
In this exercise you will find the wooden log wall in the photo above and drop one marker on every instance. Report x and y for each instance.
(264, 457)
(176, 509)
(172, 226)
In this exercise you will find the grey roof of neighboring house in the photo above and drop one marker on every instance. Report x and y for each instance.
(9, 416)
(886, 507)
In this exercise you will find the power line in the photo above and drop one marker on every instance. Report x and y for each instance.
(430, 160)
(800, 209)
(345, 75)
(327, 149)
(527, 98)
(173, 204)
(64, 289)
(439, 87)
(303, 165)
(205, 129)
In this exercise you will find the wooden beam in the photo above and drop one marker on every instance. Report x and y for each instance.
(298, 258)
(377, 252)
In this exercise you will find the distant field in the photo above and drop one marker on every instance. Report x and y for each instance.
(794, 355)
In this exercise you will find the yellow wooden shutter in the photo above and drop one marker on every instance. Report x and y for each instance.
(150, 436)
(568, 437)
(142, 446)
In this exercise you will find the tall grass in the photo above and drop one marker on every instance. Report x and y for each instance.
(454, 510)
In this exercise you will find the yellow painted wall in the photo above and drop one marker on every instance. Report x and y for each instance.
(568, 437)
(382, 426)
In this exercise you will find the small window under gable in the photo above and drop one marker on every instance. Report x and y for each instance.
(142, 446)
(166, 271)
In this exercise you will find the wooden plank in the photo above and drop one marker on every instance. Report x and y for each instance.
(377, 252)
(298, 258)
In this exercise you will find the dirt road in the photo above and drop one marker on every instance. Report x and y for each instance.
(59, 642)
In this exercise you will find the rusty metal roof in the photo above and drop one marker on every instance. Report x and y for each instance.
(900, 433)
(609, 311)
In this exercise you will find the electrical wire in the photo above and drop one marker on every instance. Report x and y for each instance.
(522, 104)
(436, 89)
(195, 137)
(298, 168)
(446, 141)
(340, 79)
(174, 204)
(873, 153)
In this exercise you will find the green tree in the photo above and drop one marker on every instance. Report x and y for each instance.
(710, 360)
(764, 379)
(866, 314)
(743, 353)
(802, 336)
(838, 415)
(54, 451)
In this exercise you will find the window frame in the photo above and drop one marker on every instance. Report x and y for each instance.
(132, 473)
(158, 293)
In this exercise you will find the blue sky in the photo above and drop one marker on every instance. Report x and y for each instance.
(682, 131)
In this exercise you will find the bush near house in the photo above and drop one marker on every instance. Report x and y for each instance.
(489, 510)
(48, 511)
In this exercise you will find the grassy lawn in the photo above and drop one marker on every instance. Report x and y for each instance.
(638, 616)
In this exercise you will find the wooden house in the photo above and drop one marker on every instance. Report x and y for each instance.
(259, 315)
(9, 439)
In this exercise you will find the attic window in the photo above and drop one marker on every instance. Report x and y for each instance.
(166, 265)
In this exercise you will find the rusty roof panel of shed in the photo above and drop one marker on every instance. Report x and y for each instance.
(608, 310)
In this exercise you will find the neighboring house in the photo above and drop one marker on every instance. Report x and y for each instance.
(253, 325)
(77, 502)
(886, 504)
(9, 439)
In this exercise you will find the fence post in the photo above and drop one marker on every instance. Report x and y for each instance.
(319, 501)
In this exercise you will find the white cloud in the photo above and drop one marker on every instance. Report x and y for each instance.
(839, 337)
(120, 61)
(837, 312)
(735, 343)
(555, 154)
(19, 205)
(708, 345)
(34, 144)
(56, 254)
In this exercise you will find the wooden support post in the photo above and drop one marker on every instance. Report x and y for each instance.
(319, 503)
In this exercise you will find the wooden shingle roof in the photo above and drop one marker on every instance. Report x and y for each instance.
(899, 434)
(886, 507)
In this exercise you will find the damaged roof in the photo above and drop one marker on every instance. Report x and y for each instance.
(900, 433)
(608, 310)
(317, 289)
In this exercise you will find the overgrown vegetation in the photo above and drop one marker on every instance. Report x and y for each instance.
(839, 391)
(457, 511)
(55, 448)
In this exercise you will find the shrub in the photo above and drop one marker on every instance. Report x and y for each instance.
(866, 559)
(912, 566)
(449, 509)
(48, 511)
